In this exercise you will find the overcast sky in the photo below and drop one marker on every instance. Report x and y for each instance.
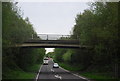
(52, 17)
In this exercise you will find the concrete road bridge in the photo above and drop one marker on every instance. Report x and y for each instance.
(52, 41)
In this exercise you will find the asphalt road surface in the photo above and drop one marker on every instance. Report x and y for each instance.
(48, 73)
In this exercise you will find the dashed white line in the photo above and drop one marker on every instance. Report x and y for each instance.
(75, 74)
(58, 76)
(52, 70)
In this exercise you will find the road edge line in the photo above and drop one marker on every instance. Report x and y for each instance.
(38, 72)
(75, 74)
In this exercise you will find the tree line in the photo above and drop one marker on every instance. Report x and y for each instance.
(16, 30)
(96, 27)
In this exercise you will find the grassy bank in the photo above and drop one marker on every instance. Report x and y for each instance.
(70, 67)
(98, 76)
(20, 74)
(91, 75)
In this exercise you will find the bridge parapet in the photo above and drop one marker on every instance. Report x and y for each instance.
(52, 37)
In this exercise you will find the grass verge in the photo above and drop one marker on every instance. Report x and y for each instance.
(91, 75)
(70, 67)
(97, 76)
(20, 74)
(17, 74)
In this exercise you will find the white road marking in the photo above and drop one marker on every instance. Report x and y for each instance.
(58, 76)
(75, 74)
(38, 73)
(52, 70)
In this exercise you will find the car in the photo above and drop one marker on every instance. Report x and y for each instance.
(55, 65)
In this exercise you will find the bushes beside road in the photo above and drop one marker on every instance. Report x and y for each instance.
(96, 27)
(16, 30)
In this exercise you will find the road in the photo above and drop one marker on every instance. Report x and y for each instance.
(48, 73)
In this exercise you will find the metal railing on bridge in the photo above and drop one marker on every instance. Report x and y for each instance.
(52, 37)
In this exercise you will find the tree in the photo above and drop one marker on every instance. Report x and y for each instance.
(17, 30)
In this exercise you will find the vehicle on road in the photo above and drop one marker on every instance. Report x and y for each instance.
(55, 65)
(45, 61)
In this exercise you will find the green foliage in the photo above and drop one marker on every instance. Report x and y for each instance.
(40, 54)
(17, 30)
(97, 77)
(70, 67)
(59, 53)
(31, 56)
(34, 68)
(20, 74)
(67, 56)
(16, 74)
(51, 54)
(96, 27)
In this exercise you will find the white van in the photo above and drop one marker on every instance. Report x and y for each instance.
(45, 61)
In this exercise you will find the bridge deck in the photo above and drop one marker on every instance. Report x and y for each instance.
(33, 45)
(52, 44)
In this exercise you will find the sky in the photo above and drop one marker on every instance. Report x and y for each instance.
(52, 17)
